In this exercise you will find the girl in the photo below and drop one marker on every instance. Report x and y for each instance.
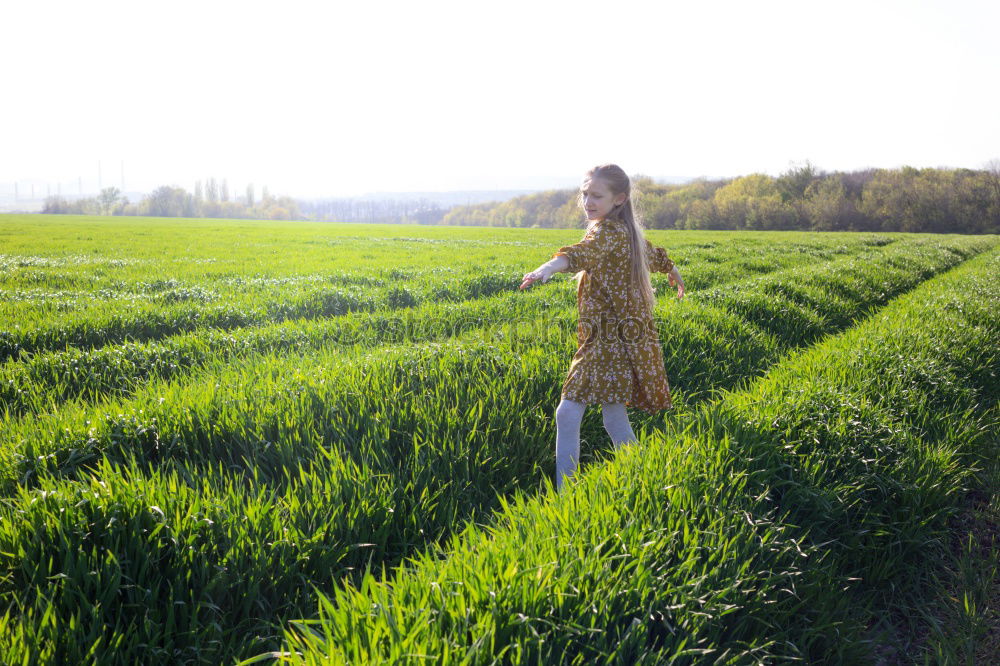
(619, 361)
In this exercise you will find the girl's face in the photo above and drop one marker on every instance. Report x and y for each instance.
(598, 201)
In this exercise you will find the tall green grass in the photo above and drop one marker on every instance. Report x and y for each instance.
(311, 467)
(84, 285)
(44, 380)
(47, 379)
(779, 524)
(119, 320)
(123, 324)
(229, 399)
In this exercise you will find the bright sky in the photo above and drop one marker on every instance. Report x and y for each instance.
(339, 98)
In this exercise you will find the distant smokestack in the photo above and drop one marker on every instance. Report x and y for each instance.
(98, 175)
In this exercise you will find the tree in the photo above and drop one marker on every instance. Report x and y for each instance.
(56, 205)
(993, 174)
(702, 214)
(211, 190)
(911, 199)
(166, 201)
(827, 207)
(793, 183)
(753, 202)
(109, 199)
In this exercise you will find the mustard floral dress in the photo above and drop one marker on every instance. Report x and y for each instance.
(619, 359)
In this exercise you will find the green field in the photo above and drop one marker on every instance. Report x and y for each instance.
(333, 443)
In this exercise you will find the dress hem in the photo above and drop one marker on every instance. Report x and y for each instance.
(647, 409)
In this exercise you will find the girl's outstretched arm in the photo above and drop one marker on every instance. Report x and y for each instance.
(546, 271)
(597, 244)
(661, 263)
(676, 281)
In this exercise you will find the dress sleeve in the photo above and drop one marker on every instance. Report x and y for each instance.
(586, 254)
(659, 262)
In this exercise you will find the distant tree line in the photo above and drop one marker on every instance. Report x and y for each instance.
(805, 198)
(389, 211)
(211, 199)
(963, 201)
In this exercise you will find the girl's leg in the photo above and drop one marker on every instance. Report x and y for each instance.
(569, 415)
(616, 423)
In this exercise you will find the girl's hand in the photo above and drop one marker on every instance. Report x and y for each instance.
(534, 276)
(556, 264)
(675, 279)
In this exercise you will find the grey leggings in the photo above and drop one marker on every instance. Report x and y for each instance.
(569, 415)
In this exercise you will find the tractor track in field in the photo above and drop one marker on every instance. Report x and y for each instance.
(24, 382)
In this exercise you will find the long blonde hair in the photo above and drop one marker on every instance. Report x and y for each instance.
(618, 182)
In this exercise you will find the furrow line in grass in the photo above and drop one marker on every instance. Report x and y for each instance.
(780, 524)
(155, 322)
(390, 459)
(44, 380)
(182, 309)
(794, 324)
